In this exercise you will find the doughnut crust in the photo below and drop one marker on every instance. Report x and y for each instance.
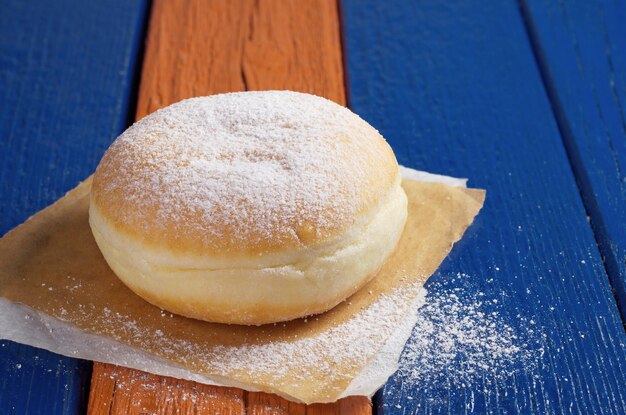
(248, 208)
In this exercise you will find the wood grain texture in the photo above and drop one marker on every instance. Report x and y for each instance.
(456, 90)
(197, 48)
(65, 73)
(133, 392)
(35, 381)
(581, 49)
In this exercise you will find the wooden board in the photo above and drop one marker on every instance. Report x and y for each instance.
(199, 48)
(581, 51)
(133, 392)
(455, 89)
(35, 381)
(65, 73)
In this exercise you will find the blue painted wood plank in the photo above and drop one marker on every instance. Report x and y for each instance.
(66, 69)
(581, 49)
(455, 89)
(35, 381)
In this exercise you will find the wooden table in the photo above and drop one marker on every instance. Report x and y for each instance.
(527, 99)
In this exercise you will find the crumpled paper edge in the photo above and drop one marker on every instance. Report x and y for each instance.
(386, 362)
(422, 176)
(40, 330)
(25, 325)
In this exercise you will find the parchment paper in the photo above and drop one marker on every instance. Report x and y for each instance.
(57, 292)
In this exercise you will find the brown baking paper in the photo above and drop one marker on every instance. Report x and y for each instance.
(52, 266)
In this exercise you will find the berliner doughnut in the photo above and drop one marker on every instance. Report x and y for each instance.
(248, 208)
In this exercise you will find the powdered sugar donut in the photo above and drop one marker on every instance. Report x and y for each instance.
(248, 208)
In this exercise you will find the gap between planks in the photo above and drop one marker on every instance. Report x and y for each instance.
(594, 161)
(197, 48)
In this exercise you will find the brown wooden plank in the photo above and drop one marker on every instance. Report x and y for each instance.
(259, 403)
(118, 390)
(355, 405)
(266, 404)
(199, 48)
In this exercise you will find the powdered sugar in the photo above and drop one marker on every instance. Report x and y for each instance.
(455, 340)
(352, 340)
(260, 167)
(461, 337)
(346, 344)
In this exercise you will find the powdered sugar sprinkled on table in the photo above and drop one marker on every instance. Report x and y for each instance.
(461, 336)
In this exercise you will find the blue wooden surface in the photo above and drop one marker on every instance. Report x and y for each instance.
(35, 381)
(66, 69)
(581, 49)
(455, 88)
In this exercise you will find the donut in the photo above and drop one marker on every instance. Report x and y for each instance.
(248, 208)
